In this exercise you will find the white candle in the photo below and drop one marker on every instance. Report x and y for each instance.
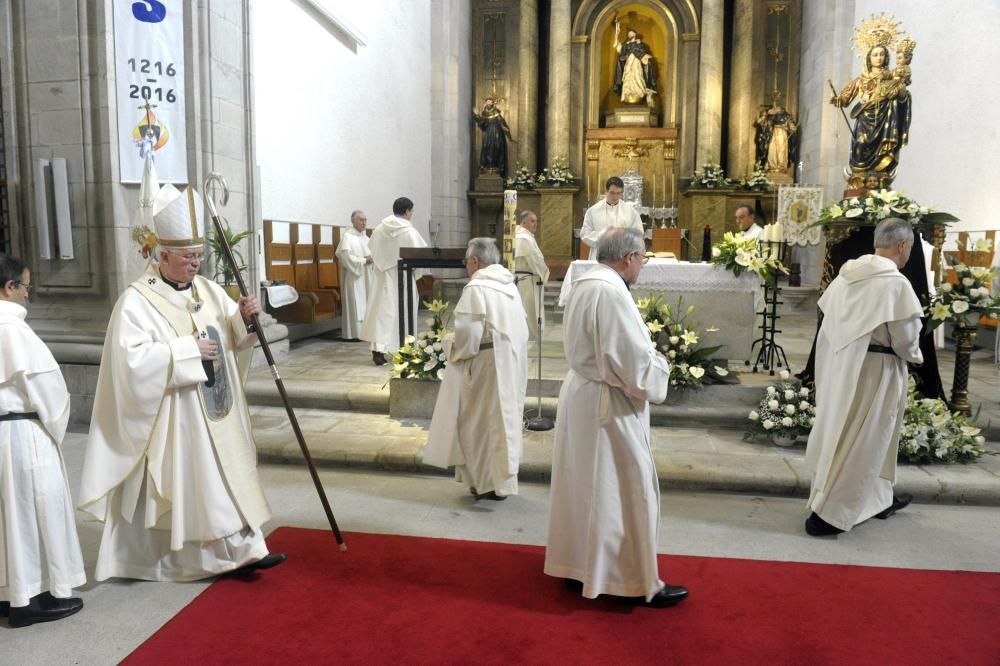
(781, 232)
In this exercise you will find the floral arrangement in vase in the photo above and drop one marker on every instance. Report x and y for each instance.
(710, 176)
(932, 433)
(757, 182)
(424, 356)
(556, 175)
(877, 205)
(786, 412)
(739, 254)
(964, 302)
(677, 339)
(522, 179)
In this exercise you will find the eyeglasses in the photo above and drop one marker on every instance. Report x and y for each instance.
(27, 287)
(191, 257)
(643, 259)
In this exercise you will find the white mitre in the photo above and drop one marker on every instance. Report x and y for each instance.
(179, 218)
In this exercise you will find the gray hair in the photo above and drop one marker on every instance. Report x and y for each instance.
(354, 214)
(485, 250)
(618, 243)
(523, 215)
(893, 230)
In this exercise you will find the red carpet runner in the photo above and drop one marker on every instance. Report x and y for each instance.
(393, 599)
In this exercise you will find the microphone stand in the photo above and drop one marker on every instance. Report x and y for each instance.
(539, 423)
(215, 178)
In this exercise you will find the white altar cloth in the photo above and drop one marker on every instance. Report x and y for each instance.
(721, 300)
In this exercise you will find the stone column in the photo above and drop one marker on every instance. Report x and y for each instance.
(709, 142)
(557, 112)
(527, 97)
(741, 97)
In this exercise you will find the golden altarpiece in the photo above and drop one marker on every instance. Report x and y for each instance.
(649, 88)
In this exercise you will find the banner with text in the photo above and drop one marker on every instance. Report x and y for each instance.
(149, 68)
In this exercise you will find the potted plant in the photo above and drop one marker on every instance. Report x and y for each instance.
(222, 268)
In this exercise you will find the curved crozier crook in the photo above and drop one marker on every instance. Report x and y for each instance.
(211, 181)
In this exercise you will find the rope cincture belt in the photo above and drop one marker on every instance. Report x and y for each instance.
(23, 416)
(881, 349)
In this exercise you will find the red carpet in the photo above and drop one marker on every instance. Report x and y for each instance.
(393, 599)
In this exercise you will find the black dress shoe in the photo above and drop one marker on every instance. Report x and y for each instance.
(669, 595)
(816, 526)
(378, 358)
(4, 608)
(268, 561)
(490, 496)
(43, 608)
(898, 504)
(573, 584)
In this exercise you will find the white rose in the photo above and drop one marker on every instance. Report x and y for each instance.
(789, 394)
(768, 424)
(773, 405)
(784, 374)
(437, 346)
(945, 287)
(804, 405)
(980, 440)
(959, 306)
(771, 390)
(787, 422)
(968, 282)
(789, 409)
(804, 392)
(716, 252)
(754, 416)
(674, 339)
(422, 344)
(672, 354)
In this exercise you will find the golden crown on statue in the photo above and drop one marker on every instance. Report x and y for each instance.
(906, 45)
(878, 30)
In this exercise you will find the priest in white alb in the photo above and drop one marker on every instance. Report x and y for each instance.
(355, 259)
(530, 269)
(870, 331)
(605, 492)
(381, 327)
(609, 213)
(171, 466)
(40, 559)
(478, 416)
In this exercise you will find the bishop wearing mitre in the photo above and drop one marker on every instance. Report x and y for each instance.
(171, 466)
(528, 258)
(355, 259)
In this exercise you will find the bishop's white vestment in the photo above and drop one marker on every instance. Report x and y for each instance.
(605, 496)
(528, 257)
(355, 280)
(39, 546)
(603, 216)
(479, 413)
(381, 326)
(171, 465)
(861, 393)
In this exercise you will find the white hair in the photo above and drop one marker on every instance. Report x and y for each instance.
(893, 230)
(618, 243)
(485, 250)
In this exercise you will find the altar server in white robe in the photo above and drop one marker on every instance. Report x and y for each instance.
(381, 327)
(171, 466)
(605, 494)
(355, 259)
(609, 213)
(870, 331)
(478, 416)
(747, 222)
(40, 559)
(528, 258)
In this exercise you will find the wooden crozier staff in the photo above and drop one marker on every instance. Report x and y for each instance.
(216, 178)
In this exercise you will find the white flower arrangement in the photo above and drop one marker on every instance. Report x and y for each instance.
(710, 176)
(423, 357)
(522, 179)
(556, 175)
(757, 182)
(964, 302)
(690, 367)
(876, 205)
(785, 410)
(740, 254)
(931, 433)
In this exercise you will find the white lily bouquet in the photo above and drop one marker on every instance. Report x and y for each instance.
(676, 339)
(787, 410)
(556, 175)
(710, 176)
(757, 182)
(933, 434)
(522, 179)
(964, 302)
(740, 254)
(877, 205)
(424, 357)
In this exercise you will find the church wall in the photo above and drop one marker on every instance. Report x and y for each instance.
(341, 126)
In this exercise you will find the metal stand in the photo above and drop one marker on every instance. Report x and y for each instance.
(770, 354)
(540, 423)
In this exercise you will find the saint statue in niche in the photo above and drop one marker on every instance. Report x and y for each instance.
(493, 154)
(635, 70)
(776, 138)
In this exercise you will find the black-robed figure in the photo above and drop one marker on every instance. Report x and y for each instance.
(634, 77)
(493, 154)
